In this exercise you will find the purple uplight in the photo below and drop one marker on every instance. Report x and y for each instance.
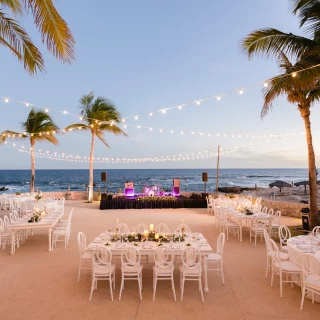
(129, 192)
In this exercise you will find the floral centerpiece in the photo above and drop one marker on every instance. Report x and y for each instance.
(37, 216)
(156, 198)
(246, 211)
(38, 197)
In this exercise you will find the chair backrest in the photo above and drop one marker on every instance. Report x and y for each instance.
(270, 212)
(123, 228)
(275, 249)
(102, 258)
(130, 258)
(277, 217)
(1, 226)
(191, 260)
(6, 221)
(316, 231)
(15, 214)
(183, 226)
(12, 217)
(162, 228)
(267, 241)
(284, 235)
(264, 210)
(140, 228)
(310, 266)
(220, 243)
(82, 242)
(163, 258)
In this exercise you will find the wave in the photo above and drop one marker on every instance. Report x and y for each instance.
(253, 176)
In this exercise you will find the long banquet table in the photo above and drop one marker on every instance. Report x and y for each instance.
(241, 218)
(48, 222)
(147, 249)
(295, 253)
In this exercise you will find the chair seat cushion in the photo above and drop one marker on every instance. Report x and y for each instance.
(59, 232)
(214, 257)
(282, 255)
(166, 270)
(285, 249)
(313, 280)
(231, 224)
(192, 271)
(288, 266)
(132, 270)
(104, 270)
(258, 229)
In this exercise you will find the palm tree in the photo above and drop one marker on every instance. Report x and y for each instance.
(38, 127)
(301, 90)
(100, 116)
(55, 33)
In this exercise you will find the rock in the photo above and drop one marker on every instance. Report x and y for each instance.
(4, 189)
(235, 190)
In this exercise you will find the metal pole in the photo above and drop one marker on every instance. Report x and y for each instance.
(217, 173)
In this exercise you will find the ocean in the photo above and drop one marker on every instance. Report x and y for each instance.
(191, 179)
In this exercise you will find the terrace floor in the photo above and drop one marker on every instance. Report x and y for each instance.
(37, 284)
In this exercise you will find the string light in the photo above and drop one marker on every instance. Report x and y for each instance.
(241, 91)
(180, 157)
(198, 103)
(218, 97)
(164, 111)
(27, 104)
(266, 84)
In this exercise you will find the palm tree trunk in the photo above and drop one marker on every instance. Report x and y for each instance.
(32, 142)
(314, 220)
(90, 198)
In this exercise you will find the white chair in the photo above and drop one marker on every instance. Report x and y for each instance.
(270, 212)
(102, 269)
(276, 224)
(163, 268)
(162, 228)
(216, 259)
(284, 236)
(256, 230)
(122, 228)
(62, 233)
(184, 226)
(190, 269)
(5, 234)
(316, 231)
(310, 266)
(85, 262)
(270, 253)
(210, 204)
(280, 267)
(264, 210)
(228, 226)
(131, 268)
(140, 228)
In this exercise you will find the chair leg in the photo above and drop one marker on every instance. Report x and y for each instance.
(110, 283)
(281, 284)
(200, 285)
(92, 287)
(173, 289)
(272, 276)
(79, 271)
(139, 283)
(267, 270)
(121, 288)
(154, 288)
(222, 273)
(302, 297)
(182, 287)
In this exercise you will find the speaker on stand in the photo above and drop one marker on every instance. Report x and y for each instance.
(205, 180)
(104, 179)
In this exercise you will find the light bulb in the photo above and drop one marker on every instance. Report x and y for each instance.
(150, 129)
(164, 111)
(218, 98)
(124, 126)
(294, 74)
(160, 130)
(81, 118)
(27, 104)
(198, 102)
(123, 120)
(180, 107)
(136, 118)
(6, 100)
(65, 112)
(47, 110)
(150, 114)
(241, 91)
(265, 84)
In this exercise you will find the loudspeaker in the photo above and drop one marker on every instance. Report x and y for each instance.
(104, 176)
(176, 183)
(204, 176)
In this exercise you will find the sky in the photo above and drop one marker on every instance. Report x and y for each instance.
(147, 55)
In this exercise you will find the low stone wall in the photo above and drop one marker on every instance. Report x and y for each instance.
(73, 195)
(290, 209)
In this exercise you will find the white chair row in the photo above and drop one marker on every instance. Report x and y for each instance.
(160, 228)
(62, 231)
(100, 262)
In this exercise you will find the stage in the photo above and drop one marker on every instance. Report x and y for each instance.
(152, 204)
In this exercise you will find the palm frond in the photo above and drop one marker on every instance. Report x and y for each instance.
(101, 137)
(46, 138)
(308, 12)
(55, 32)
(14, 37)
(39, 122)
(314, 95)
(77, 126)
(11, 136)
(14, 5)
(271, 42)
(112, 129)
